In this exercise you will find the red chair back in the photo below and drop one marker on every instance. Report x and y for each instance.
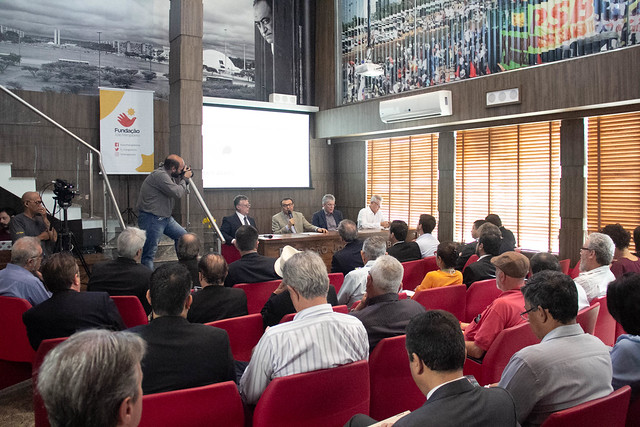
(336, 308)
(479, 295)
(16, 353)
(258, 294)
(211, 405)
(605, 328)
(244, 333)
(414, 272)
(429, 265)
(587, 317)
(575, 271)
(39, 411)
(506, 344)
(330, 398)
(449, 298)
(230, 253)
(389, 374)
(610, 411)
(336, 279)
(131, 310)
(473, 258)
(565, 265)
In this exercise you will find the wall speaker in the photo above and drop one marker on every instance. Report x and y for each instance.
(502, 97)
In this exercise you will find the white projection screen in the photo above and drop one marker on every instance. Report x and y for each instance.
(254, 148)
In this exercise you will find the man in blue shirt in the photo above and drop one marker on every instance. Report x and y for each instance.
(20, 279)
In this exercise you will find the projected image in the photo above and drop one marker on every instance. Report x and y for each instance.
(252, 148)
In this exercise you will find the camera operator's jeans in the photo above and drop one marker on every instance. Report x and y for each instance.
(156, 226)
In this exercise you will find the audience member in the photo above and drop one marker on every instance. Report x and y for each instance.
(541, 261)
(215, 301)
(68, 310)
(124, 275)
(400, 249)
(623, 260)
(328, 217)
(290, 221)
(348, 258)
(355, 282)
(508, 239)
(180, 354)
(623, 300)
(568, 367)
(317, 338)
(595, 257)
(188, 252)
(93, 379)
(488, 246)
(636, 240)
(372, 217)
(381, 312)
(427, 242)
(251, 267)
(33, 222)
(21, 278)
(231, 223)
(470, 248)
(446, 257)
(504, 311)
(5, 218)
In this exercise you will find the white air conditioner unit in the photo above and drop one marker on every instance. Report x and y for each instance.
(432, 104)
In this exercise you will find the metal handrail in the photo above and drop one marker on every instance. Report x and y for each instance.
(207, 212)
(88, 146)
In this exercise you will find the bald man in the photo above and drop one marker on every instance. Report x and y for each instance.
(158, 195)
(33, 222)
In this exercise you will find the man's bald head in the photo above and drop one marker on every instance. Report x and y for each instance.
(173, 161)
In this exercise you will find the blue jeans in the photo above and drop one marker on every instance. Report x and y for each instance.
(156, 226)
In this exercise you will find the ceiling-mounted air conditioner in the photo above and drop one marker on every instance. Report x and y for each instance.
(432, 104)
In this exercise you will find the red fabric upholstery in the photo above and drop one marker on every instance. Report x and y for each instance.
(429, 265)
(575, 271)
(450, 298)
(230, 253)
(403, 295)
(587, 317)
(336, 279)
(337, 308)
(414, 272)
(565, 265)
(605, 323)
(392, 387)
(506, 344)
(258, 294)
(244, 333)
(39, 411)
(210, 405)
(479, 296)
(473, 258)
(607, 411)
(328, 397)
(130, 310)
(16, 353)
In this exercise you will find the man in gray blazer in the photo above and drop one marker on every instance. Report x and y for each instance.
(289, 221)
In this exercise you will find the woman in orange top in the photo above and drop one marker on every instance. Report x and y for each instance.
(446, 257)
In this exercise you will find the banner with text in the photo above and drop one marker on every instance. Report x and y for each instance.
(126, 131)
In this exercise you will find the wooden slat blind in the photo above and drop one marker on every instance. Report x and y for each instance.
(613, 172)
(404, 171)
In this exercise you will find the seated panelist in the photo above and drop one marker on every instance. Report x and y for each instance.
(289, 221)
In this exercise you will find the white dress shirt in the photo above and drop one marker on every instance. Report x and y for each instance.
(354, 285)
(368, 219)
(595, 281)
(428, 244)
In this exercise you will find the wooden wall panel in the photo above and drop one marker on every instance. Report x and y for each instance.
(350, 177)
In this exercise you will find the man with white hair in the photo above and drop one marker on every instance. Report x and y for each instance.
(372, 217)
(595, 257)
(124, 275)
(317, 338)
(328, 217)
(354, 285)
(21, 278)
(381, 311)
(94, 378)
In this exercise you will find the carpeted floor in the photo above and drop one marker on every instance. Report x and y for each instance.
(16, 405)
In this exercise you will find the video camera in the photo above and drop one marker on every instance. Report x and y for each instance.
(64, 192)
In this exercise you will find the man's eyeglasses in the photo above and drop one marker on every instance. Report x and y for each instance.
(586, 249)
(525, 314)
(37, 202)
(284, 205)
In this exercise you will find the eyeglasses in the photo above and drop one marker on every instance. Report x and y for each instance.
(37, 202)
(586, 249)
(284, 205)
(247, 205)
(525, 314)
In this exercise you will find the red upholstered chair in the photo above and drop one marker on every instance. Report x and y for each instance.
(336, 279)
(336, 308)
(392, 387)
(429, 265)
(605, 323)
(610, 411)
(403, 295)
(16, 354)
(565, 265)
(479, 295)
(414, 272)
(244, 333)
(588, 316)
(39, 411)
(210, 405)
(328, 397)
(131, 310)
(258, 293)
(575, 271)
(230, 253)
(449, 298)
(506, 344)
(473, 258)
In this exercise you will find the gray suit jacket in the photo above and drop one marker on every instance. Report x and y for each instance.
(279, 223)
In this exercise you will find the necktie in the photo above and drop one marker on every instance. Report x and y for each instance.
(246, 221)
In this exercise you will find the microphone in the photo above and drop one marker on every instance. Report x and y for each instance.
(290, 214)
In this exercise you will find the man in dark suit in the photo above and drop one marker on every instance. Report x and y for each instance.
(488, 247)
(124, 275)
(68, 310)
(231, 223)
(328, 217)
(401, 250)
(215, 301)
(180, 354)
(470, 248)
(251, 267)
(348, 258)
(508, 239)
(188, 251)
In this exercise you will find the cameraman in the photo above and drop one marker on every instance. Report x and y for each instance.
(156, 201)
(33, 222)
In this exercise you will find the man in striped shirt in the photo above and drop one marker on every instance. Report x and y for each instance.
(317, 338)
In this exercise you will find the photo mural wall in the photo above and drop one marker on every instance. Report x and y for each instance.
(418, 43)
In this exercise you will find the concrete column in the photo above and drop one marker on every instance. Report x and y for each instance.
(446, 185)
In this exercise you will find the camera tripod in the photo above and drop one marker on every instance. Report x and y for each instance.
(66, 239)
